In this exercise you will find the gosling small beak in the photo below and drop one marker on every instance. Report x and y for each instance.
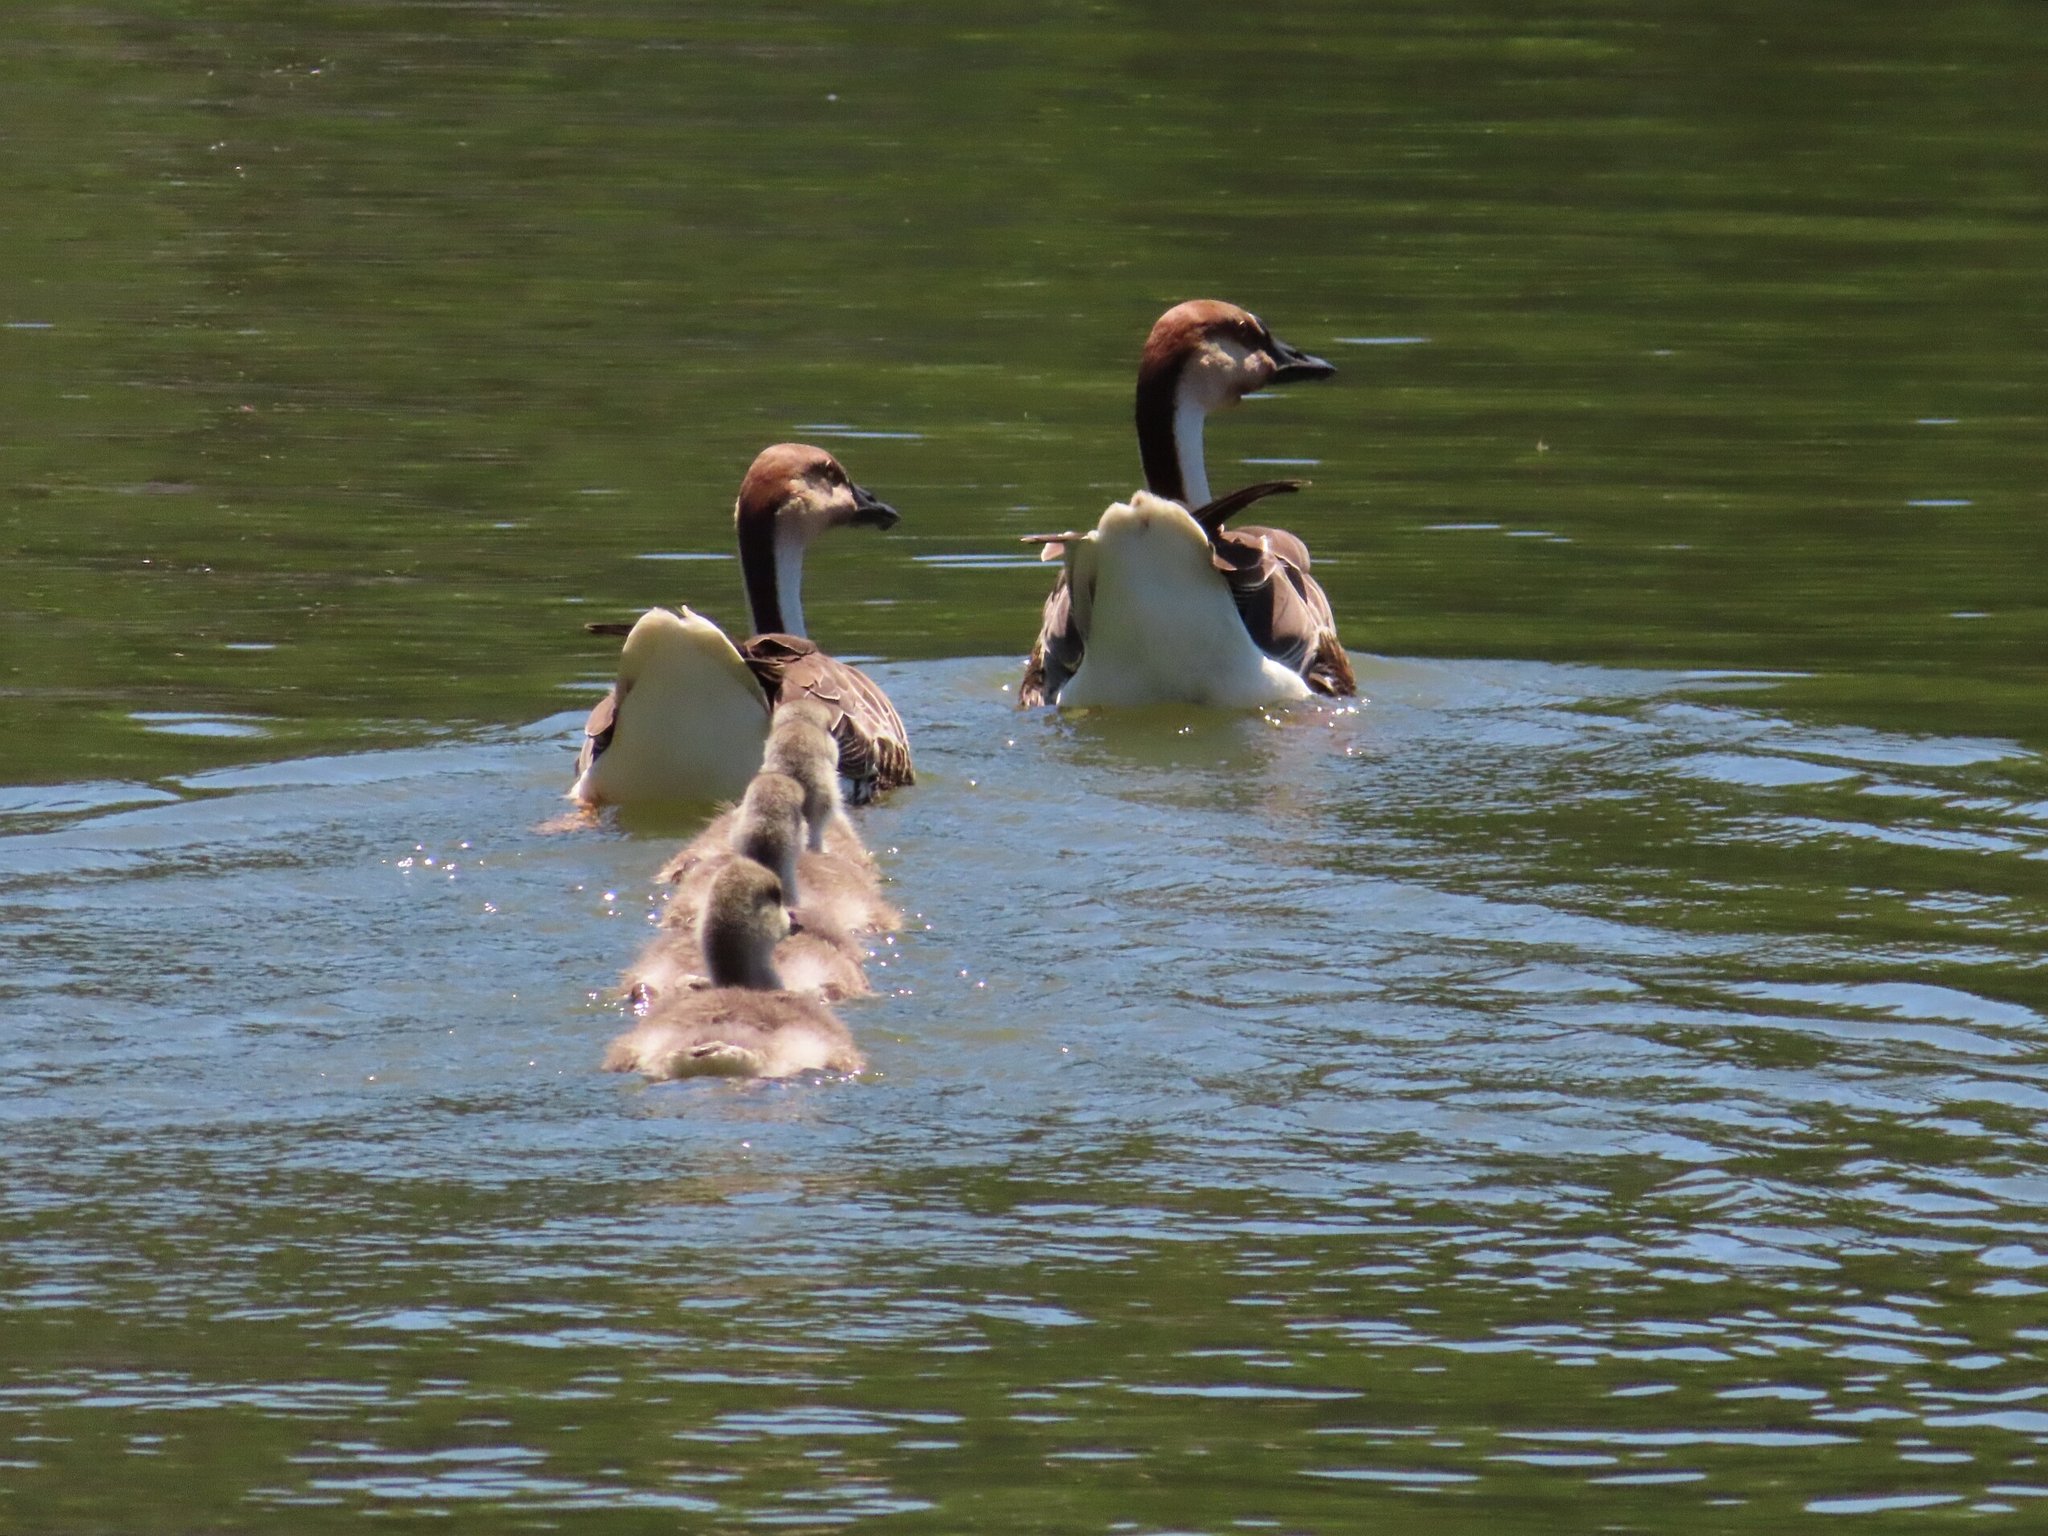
(1293, 365)
(870, 511)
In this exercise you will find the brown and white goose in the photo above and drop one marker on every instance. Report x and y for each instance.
(1202, 356)
(688, 716)
(1151, 617)
(744, 1024)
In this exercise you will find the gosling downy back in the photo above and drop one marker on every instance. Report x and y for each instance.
(800, 744)
(840, 882)
(769, 829)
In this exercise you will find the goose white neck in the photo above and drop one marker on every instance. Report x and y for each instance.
(789, 585)
(1188, 415)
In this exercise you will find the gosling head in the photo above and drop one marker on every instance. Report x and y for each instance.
(744, 918)
(801, 746)
(770, 826)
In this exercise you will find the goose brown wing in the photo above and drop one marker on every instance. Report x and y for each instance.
(1283, 607)
(874, 748)
(1056, 656)
(597, 730)
(604, 719)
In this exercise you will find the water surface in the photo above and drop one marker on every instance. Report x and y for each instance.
(1596, 1083)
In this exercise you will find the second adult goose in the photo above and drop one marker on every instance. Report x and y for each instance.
(1204, 356)
(1151, 610)
(688, 716)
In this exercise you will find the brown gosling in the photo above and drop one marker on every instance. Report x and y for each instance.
(745, 1023)
(834, 873)
(820, 956)
(800, 746)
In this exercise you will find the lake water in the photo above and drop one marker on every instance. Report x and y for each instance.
(1598, 1082)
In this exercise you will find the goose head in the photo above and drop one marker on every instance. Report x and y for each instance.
(791, 494)
(1202, 356)
(744, 918)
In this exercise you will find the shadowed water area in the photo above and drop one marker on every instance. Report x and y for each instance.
(1596, 1082)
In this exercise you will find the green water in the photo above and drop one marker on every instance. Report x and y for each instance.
(1599, 1084)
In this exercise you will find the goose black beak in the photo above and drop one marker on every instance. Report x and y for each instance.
(870, 511)
(1292, 365)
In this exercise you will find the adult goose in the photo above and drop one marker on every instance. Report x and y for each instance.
(1202, 356)
(688, 716)
(1152, 617)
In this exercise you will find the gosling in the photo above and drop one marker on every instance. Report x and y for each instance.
(838, 883)
(802, 747)
(744, 1024)
(801, 744)
(820, 956)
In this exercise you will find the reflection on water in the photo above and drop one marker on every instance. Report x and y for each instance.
(1542, 1088)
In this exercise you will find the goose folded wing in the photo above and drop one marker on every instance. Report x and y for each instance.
(874, 748)
(1283, 607)
(1056, 656)
(597, 730)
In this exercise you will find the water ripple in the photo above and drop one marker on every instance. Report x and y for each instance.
(1512, 1039)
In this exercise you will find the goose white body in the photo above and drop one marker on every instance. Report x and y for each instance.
(691, 718)
(1159, 618)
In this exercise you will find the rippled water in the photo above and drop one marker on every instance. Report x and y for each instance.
(1455, 1104)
